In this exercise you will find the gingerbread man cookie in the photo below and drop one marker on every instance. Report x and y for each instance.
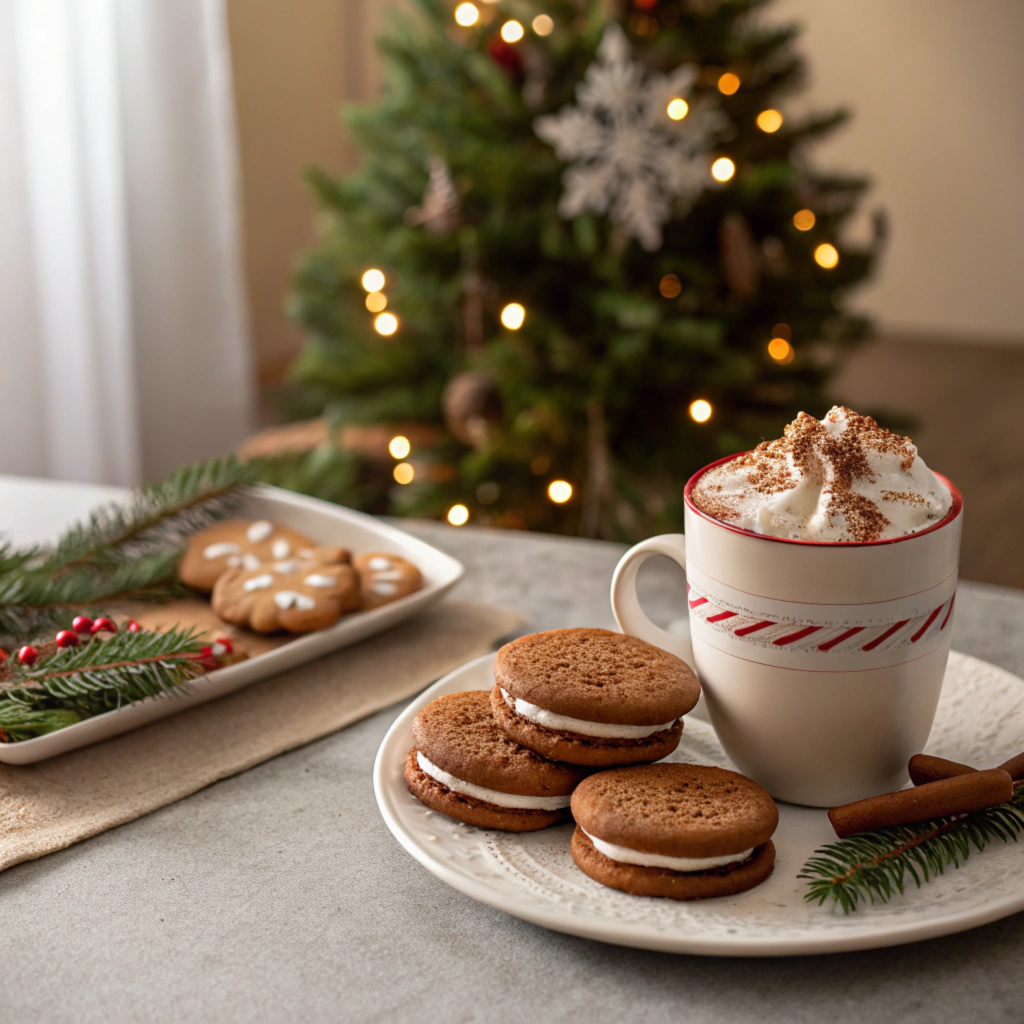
(245, 544)
(297, 595)
(384, 578)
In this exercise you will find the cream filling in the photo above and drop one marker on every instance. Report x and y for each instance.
(602, 730)
(491, 796)
(625, 855)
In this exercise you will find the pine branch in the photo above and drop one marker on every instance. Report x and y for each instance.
(874, 866)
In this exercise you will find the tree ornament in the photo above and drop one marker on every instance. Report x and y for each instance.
(3, 655)
(507, 58)
(133, 626)
(27, 655)
(627, 157)
(81, 624)
(741, 262)
(472, 407)
(439, 213)
(67, 638)
(102, 625)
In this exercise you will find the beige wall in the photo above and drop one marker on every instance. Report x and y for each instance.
(934, 84)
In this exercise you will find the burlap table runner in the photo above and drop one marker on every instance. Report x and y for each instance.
(52, 804)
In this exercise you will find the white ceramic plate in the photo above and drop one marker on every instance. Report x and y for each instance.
(531, 875)
(326, 524)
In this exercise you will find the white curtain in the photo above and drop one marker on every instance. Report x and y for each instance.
(123, 335)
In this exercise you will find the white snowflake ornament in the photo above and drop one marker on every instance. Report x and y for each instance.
(627, 157)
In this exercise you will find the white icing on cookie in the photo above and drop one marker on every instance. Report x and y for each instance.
(259, 582)
(234, 561)
(318, 580)
(384, 588)
(259, 531)
(250, 562)
(289, 566)
(220, 550)
(281, 548)
(285, 599)
(379, 564)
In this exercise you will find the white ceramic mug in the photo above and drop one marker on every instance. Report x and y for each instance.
(821, 664)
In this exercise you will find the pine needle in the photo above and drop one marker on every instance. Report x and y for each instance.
(874, 867)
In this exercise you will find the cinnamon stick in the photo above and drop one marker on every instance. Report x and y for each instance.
(959, 795)
(926, 768)
(1014, 767)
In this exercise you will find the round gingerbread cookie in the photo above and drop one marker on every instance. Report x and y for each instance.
(592, 697)
(683, 831)
(296, 595)
(465, 767)
(245, 544)
(384, 578)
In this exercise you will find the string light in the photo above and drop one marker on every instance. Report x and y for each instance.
(373, 280)
(513, 316)
(512, 31)
(803, 220)
(782, 331)
(404, 473)
(826, 256)
(723, 169)
(781, 351)
(543, 25)
(670, 286)
(466, 14)
(700, 410)
(376, 301)
(677, 108)
(769, 121)
(399, 447)
(386, 324)
(560, 491)
(728, 83)
(458, 515)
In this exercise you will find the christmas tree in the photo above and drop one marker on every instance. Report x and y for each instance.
(585, 254)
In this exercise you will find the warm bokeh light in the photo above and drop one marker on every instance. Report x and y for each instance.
(513, 315)
(512, 31)
(769, 121)
(386, 324)
(826, 256)
(543, 25)
(467, 14)
(404, 473)
(376, 301)
(723, 169)
(700, 410)
(670, 286)
(458, 515)
(678, 108)
(803, 220)
(728, 83)
(780, 350)
(399, 447)
(560, 491)
(373, 280)
(782, 331)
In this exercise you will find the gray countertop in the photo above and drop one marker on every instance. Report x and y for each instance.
(280, 894)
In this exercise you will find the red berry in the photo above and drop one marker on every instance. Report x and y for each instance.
(229, 647)
(102, 625)
(3, 655)
(66, 638)
(28, 655)
(133, 626)
(81, 624)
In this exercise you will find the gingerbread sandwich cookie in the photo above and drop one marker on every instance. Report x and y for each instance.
(297, 595)
(464, 766)
(592, 697)
(686, 832)
(384, 578)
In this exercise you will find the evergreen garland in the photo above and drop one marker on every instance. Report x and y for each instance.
(874, 866)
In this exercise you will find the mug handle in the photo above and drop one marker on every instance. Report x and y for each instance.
(626, 605)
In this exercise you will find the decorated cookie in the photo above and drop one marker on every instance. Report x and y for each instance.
(684, 831)
(592, 697)
(384, 578)
(297, 595)
(244, 544)
(464, 766)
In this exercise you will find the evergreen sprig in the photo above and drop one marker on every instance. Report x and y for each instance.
(79, 682)
(874, 866)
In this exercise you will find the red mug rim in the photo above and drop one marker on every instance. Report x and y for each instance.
(955, 509)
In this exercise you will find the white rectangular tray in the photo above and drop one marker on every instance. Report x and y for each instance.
(326, 524)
